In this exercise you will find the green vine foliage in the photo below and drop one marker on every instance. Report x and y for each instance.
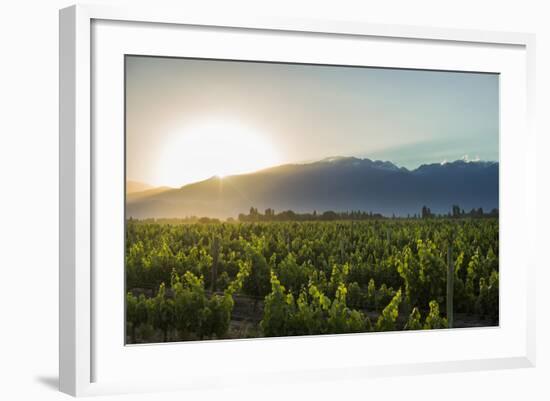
(311, 313)
(487, 300)
(278, 308)
(189, 280)
(415, 320)
(434, 319)
(388, 318)
(423, 272)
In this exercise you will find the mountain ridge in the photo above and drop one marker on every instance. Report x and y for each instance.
(334, 183)
(133, 186)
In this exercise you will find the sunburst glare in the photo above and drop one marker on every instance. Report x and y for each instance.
(213, 148)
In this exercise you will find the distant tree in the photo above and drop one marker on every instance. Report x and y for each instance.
(456, 211)
(253, 214)
(426, 212)
(208, 220)
(286, 215)
(329, 215)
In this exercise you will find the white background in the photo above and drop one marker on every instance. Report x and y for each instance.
(28, 199)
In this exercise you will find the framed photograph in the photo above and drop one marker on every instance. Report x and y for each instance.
(290, 199)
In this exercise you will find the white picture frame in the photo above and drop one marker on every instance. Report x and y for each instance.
(85, 354)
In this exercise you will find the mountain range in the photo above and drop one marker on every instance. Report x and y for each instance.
(137, 186)
(335, 183)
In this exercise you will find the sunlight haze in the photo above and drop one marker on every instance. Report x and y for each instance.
(189, 119)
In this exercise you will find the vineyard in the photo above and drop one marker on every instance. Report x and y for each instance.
(219, 280)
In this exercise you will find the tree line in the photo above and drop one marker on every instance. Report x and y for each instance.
(289, 215)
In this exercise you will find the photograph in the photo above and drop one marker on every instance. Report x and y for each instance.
(273, 199)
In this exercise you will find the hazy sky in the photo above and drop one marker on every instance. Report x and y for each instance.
(189, 118)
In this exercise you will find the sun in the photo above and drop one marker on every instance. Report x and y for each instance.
(213, 148)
